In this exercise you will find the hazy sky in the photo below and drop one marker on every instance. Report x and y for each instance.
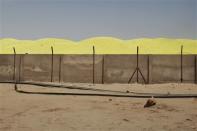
(79, 19)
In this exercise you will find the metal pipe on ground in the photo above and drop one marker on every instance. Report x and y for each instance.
(134, 95)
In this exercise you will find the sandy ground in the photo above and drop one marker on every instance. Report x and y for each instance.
(37, 112)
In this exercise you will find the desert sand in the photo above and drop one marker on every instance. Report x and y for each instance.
(103, 45)
(37, 112)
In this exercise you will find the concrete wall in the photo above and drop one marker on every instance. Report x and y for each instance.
(6, 68)
(167, 68)
(78, 68)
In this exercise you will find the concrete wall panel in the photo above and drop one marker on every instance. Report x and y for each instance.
(6, 67)
(36, 68)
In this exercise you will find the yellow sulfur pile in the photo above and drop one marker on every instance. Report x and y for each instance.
(103, 45)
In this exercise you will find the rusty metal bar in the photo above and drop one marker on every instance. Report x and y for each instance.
(137, 69)
(60, 65)
(93, 65)
(103, 69)
(51, 64)
(181, 63)
(142, 76)
(14, 72)
(132, 76)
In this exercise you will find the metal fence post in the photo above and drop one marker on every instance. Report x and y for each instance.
(51, 63)
(103, 69)
(60, 65)
(19, 77)
(195, 70)
(137, 64)
(14, 72)
(148, 69)
(181, 63)
(93, 66)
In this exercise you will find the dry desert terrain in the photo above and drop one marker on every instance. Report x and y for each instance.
(41, 112)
